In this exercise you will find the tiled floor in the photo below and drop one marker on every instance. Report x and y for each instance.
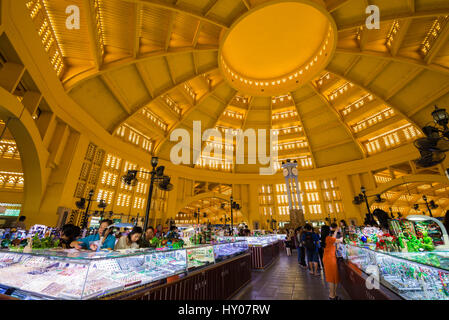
(286, 280)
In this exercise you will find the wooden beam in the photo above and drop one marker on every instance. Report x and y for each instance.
(170, 71)
(404, 25)
(175, 8)
(157, 95)
(390, 58)
(438, 44)
(411, 4)
(196, 36)
(376, 95)
(185, 115)
(79, 78)
(145, 79)
(306, 133)
(364, 38)
(171, 23)
(116, 93)
(336, 4)
(376, 72)
(403, 82)
(247, 4)
(440, 92)
(209, 7)
(225, 106)
(137, 29)
(351, 66)
(93, 34)
(396, 16)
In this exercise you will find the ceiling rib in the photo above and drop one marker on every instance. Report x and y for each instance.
(336, 4)
(197, 33)
(305, 131)
(225, 103)
(381, 55)
(171, 24)
(404, 25)
(401, 84)
(137, 30)
(187, 113)
(245, 119)
(92, 29)
(436, 46)
(433, 97)
(339, 117)
(171, 7)
(396, 16)
(145, 79)
(209, 7)
(247, 4)
(78, 79)
(165, 92)
(377, 95)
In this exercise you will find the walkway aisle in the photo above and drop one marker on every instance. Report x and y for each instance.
(286, 280)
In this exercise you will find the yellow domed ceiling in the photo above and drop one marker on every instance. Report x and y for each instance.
(143, 68)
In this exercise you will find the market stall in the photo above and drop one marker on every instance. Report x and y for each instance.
(264, 249)
(73, 274)
(409, 261)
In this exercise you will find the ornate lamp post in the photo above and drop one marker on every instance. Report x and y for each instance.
(236, 206)
(363, 197)
(157, 175)
(81, 204)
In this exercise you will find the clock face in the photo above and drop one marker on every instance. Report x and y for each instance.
(295, 171)
(285, 172)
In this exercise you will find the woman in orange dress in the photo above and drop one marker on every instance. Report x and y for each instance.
(330, 262)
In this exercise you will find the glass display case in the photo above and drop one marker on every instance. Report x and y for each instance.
(412, 276)
(200, 256)
(73, 274)
(48, 274)
(227, 250)
(261, 241)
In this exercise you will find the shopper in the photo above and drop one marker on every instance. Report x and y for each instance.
(311, 241)
(302, 250)
(145, 240)
(325, 231)
(330, 262)
(289, 244)
(297, 242)
(68, 235)
(159, 232)
(130, 241)
(19, 224)
(104, 239)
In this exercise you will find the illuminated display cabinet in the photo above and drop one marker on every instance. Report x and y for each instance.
(48, 274)
(409, 276)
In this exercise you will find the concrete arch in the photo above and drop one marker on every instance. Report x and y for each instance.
(31, 150)
(431, 178)
(201, 196)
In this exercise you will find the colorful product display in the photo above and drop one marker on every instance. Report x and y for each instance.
(412, 276)
(261, 241)
(72, 274)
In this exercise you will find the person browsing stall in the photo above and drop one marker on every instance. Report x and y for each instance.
(311, 242)
(131, 241)
(330, 261)
(145, 240)
(68, 235)
(103, 237)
